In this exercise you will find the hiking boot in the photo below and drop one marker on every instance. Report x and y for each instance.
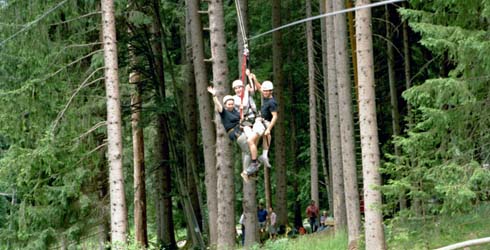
(265, 160)
(252, 168)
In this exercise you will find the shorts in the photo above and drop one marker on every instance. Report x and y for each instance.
(272, 230)
(257, 128)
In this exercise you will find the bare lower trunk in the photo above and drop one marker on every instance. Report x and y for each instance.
(369, 131)
(279, 137)
(119, 220)
(326, 154)
(250, 213)
(139, 185)
(334, 124)
(205, 118)
(224, 166)
(346, 126)
(312, 107)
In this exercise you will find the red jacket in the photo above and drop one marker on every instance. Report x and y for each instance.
(312, 211)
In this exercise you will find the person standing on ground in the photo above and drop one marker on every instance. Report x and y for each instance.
(312, 214)
(272, 224)
(262, 217)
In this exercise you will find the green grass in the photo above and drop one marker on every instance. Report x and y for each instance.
(435, 232)
(322, 240)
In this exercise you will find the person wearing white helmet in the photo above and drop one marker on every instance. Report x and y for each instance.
(253, 130)
(230, 118)
(268, 112)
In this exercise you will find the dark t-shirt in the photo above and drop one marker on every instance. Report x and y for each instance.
(230, 120)
(262, 214)
(268, 106)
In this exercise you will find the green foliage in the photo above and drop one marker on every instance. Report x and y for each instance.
(445, 149)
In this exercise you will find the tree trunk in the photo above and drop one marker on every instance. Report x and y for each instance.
(250, 212)
(205, 118)
(191, 140)
(166, 234)
(138, 161)
(139, 176)
(293, 149)
(312, 107)
(249, 188)
(165, 226)
(325, 64)
(369, 130)
(395, 115)
(119, 217)
(226, 189)
(408, 76)
(334, 124)
(346, 127)
(352, 39)
(279, 137)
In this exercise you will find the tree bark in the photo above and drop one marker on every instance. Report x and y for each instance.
(207, 128)
(166, 234)
(249, 204)
(395, 115)
(312, 107)
(346, 126)
(139, 186)
(119, 220)
(279, 137)
(327, 154)
(226, 189)
(369, 130)
(408, 76)
(139, 176)
(334, 124)
(191, 136)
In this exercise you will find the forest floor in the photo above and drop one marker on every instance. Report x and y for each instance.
(439, 231)
(404, 233)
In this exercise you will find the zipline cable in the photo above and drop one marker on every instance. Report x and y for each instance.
(325, 15)
(240, 23)
(33, 22)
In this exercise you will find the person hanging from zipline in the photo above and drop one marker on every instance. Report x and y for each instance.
(251, 124)
(230, 118)
(268, 112)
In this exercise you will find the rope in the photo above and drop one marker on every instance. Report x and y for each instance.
(245, 53)
(325, 15)
(240, 24)
(33, 22)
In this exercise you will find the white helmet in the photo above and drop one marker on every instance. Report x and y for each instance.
(227, 98)
(267, 85)
(237, 83)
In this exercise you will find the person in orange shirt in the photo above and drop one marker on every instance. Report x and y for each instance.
(312, 212)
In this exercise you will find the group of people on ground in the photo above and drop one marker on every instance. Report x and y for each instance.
(312, 212)
(267, 222)
(244, 123)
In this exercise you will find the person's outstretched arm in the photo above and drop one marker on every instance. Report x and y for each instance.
(217, 104)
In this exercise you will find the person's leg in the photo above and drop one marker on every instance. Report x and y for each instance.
(266, 143)
(252, 139)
